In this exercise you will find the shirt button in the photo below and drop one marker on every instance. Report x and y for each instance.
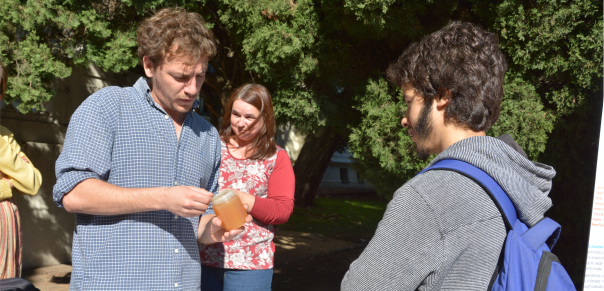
(175, 183)
(176, 285)
(166, 116)
(175, 216)
(176, 251)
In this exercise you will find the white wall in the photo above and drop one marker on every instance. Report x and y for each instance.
(332, 178)
(291, 140)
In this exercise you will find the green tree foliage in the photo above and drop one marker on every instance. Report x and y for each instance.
(323, 62)
(524, 117)
(552, 105)
(556, 45)
(278, 43)
(41, 40)
(32, 62)
(379, 142)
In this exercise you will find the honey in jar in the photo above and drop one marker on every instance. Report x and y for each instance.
(229, 209)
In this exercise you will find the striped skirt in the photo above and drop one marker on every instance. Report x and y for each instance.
(10, 240)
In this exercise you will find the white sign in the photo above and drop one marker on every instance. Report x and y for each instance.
(594, 270)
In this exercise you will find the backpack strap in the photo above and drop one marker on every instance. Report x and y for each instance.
(548, 233)
(501, 199)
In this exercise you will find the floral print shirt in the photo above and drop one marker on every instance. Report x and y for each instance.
(253, 249)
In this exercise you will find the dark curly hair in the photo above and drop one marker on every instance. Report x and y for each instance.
(464, 59)
(158, 34)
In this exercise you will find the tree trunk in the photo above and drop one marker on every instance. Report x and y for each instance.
(312, 162)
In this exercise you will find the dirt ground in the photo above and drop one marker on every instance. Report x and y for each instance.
(318, 273)
(303, 261)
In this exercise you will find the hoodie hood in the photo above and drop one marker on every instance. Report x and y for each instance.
(527, 183)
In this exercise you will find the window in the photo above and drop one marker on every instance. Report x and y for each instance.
(344, 176)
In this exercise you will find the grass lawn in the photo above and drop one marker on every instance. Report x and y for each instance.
(343, 218)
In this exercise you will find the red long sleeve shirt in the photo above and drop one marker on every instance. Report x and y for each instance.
(279, 203)
(272, 182)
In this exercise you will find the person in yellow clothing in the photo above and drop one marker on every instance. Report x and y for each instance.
(18, 176)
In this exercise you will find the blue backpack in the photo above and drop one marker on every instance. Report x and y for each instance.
(528, 263)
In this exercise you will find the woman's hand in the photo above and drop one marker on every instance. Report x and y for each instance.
(245, 198)
(213, 231)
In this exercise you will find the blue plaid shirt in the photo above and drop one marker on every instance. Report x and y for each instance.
(120, 135)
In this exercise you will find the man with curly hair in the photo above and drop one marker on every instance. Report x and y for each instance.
(139, 167)
(441, 230)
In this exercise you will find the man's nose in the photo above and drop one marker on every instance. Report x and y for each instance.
(405, 122)
(191, 87)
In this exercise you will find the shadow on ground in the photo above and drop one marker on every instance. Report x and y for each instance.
(303, 261)
(322, 272)
(50, 278)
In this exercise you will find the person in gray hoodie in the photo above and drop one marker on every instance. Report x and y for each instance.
(441, 230)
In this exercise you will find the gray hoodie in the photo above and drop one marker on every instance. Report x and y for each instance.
(441, 231)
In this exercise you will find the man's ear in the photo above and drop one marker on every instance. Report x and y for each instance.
(443, 99)
(148, 66)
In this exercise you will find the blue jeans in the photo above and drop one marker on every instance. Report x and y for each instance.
(219, 279)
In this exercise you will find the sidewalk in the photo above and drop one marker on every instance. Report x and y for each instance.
(290, 247)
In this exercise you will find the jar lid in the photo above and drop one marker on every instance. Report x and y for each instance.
(223, 196)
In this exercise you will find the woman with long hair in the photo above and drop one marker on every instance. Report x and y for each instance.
(261, 174)
(17, 175)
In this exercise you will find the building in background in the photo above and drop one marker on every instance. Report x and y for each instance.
(338, 175)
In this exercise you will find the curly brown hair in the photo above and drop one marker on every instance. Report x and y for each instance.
(174, 32)
(464, 59)
(257, 95)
